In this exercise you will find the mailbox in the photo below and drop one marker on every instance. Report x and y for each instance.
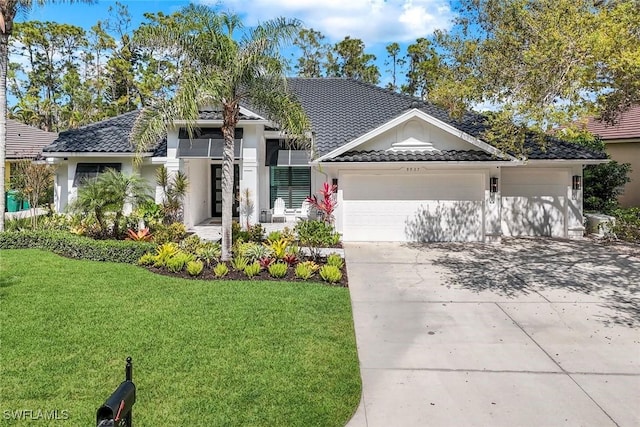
(117, 409)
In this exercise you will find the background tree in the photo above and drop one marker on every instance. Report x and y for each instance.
(348, 59)
(313, 52)
(541, 63)
(394, 61)
(222, 72)
(8, 11)
(33, 181)
(424, 69)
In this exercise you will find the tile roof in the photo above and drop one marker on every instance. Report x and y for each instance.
(627, 127)
(106, 136)
(414, 156)
(340, 110)
(26, 142)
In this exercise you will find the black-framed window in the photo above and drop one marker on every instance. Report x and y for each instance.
(292, 184)
(85, 171)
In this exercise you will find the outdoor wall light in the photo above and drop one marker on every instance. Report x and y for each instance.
(334, 181)
(493, 184)
(576, 182)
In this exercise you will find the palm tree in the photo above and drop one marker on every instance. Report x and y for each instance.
(218, 70)
(8, 11)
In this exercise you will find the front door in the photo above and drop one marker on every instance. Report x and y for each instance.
(216, 190)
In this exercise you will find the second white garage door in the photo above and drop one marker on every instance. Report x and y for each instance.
(434, 207)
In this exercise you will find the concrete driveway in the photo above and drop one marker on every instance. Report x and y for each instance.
(531, 332)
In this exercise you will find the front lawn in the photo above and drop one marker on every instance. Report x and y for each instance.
(204, 353)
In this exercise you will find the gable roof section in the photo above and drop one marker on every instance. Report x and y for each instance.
(627, 127)
(413, 156)
(343, 110)
(26, 142)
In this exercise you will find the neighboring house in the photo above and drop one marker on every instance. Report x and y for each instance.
(405, 170)
(24, 142)
(622, 142)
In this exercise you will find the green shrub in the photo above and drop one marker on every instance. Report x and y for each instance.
(330, 273)
(74, 246)
(56, 221)
(18, 224)
(336, 260)
(274, 235)
(255, 251)
(239, 263)
(237, 233)
(278, 269)
(178, 262)
(627, 226)
(174, 232)
(315, 234)
(221, 270)
(208, 252)
(256, 233)
(252, 269)
(303, 271)
(194, 268)
(164, 253)
(278, 248)
(147, 259)
(191, 244)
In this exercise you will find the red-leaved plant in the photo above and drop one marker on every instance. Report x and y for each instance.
(327, 204)
(265, 262)
(139, 236)
(290, 258)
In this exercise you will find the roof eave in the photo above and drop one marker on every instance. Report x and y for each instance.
(91, 154)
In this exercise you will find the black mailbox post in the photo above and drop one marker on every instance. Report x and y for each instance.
(117, 409)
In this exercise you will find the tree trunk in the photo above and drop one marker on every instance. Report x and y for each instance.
(230, 119)
(4, 59)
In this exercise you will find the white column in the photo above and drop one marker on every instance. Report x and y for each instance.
(249, 180)
(574, 218)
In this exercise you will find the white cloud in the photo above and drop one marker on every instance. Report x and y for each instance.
(373, 21)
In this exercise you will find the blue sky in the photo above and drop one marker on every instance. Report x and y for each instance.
(376, 22)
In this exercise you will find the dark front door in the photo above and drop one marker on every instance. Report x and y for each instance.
(216, 190)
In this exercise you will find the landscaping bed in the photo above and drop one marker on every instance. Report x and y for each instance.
(223, 352)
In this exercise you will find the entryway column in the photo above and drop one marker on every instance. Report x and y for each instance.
(492, 205)
(249, 180)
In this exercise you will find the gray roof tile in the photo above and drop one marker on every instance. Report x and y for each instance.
(26, 142)
(340, 110)
(414, 156)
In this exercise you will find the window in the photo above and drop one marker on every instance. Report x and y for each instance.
(292, 184)
(85, 171)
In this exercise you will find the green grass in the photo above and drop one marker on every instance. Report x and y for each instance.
(204, 353)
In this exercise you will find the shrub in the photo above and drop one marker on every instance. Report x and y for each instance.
(239, 263)
(274, 235)
(335, 260)
(237, 233)
(173, 232)
(194, 268)
(290, 258)
(330, 273)
(316, 234)
(256, 251)
(190, 244)
(311, 265)
(164, 253)
(208, 252)
(147, 259)
(56, 222)
(265, 262)
(303, 271)
(74, 246)
(252, 269)
(627, 226)
(139, 236)
(221, 270)
(278, 269)
(278, 247)
(256, 233)
(179, 261)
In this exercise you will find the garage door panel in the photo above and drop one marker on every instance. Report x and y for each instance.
(533, 202)
(412, 208)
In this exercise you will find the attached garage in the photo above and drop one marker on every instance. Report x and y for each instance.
(422, 207)
(534, 202)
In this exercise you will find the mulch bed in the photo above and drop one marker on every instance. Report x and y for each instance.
(207, 274)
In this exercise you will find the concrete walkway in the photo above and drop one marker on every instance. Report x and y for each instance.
(526, 333)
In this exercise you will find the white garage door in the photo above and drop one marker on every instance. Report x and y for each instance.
(421, 208)
(534, 202)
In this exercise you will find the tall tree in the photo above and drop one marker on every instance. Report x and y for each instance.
(221, 71)
(542, 63)
(349, 60)
(424, 69)
(393, 60)
(8, 11)
(313, 53)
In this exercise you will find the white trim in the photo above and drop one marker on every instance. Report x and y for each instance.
(93, 154)
(406, 117)
(558, 162)
(423, 164)
(218, 123)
